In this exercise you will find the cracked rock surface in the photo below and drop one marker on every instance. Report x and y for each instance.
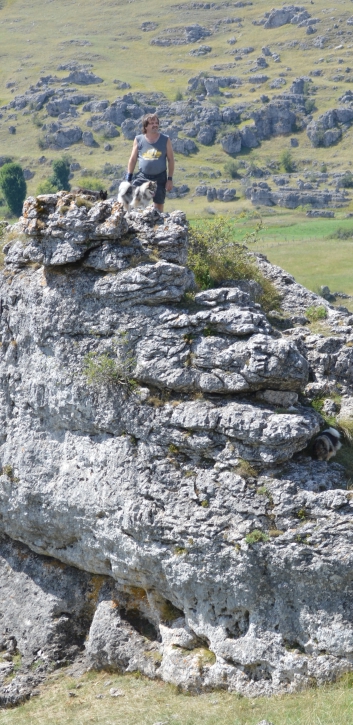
(145, 486)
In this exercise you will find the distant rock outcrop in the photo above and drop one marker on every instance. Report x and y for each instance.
(326, 129)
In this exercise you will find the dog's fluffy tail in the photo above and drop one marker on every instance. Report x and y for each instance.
(333, 432)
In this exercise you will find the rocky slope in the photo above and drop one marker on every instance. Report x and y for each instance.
(150, 449)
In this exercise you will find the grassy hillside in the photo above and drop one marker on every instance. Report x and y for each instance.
(107, 36)
(77, 701)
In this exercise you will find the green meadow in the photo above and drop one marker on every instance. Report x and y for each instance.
(86, 700)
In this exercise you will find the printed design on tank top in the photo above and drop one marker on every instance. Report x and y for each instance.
(151, 154)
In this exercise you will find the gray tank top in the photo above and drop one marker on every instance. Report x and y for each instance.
(152, 156)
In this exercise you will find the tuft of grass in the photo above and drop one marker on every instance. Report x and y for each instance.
(245, 469)
(180, 550)
(81, 201)
(316, 313)
(275, 532)
(263, 491)
(256, 536)
(318, 404)
(215, 258)
(346, 426)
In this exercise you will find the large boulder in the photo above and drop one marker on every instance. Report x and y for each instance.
(151, 448)
(231, 142)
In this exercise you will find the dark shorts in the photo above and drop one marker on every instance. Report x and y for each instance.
(161, 179)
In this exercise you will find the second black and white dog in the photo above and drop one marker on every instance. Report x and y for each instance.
(326, 444)
(132, 197)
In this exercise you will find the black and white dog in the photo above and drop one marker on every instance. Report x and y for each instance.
(133, 197)
(326, 444)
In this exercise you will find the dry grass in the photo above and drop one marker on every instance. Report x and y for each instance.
(146, 702)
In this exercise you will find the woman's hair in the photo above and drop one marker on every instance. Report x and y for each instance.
(146, 119)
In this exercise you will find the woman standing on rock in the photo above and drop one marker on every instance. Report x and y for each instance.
(154, 151)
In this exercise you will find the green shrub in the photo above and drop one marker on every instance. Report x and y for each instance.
(90, 182)
(178, 96)
(287, 162)
(46, 187)
(256, 536)
(347, 180)
(214, 258)
(347, 427)
(14, 187)
(309, 105)
(231, 168)
(314, 314)
(61, 173)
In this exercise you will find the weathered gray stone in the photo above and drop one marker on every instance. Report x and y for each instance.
(129, 129)
(284, 15)
(184, 146)
(88, 138)
(83, 78)
(64, 137)
(248, 137)
(231, 143)
(137, 477)
(207, 135)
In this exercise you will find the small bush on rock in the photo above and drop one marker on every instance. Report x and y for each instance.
(104, 369)
(256, 536)
(314, 313)
(214, 258)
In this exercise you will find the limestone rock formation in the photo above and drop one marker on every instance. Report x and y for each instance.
(327, 128)
(152, 465)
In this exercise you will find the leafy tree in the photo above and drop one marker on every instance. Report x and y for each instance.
(14, 187)
(61, 173)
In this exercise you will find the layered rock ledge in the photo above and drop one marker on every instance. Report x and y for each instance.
(129, 499)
